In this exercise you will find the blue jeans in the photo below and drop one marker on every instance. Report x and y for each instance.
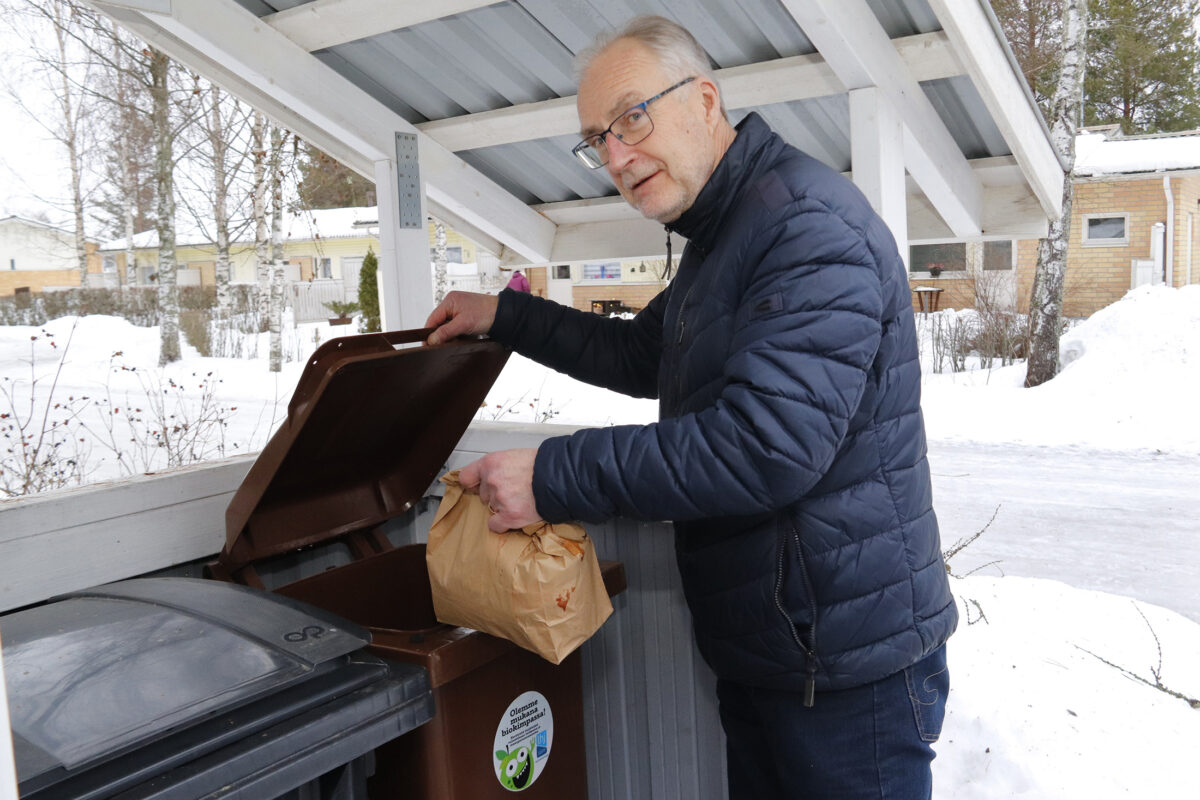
(871, 741)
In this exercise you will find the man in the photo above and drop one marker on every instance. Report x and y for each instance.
(790, 451)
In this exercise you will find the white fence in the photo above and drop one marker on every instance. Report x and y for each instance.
(308, 299)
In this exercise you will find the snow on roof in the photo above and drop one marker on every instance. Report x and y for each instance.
(1103, 151)
(325, 223)
(37, 223)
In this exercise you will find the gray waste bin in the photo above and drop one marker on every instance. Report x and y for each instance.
(180, 689)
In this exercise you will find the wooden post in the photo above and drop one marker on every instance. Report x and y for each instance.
(877, 159)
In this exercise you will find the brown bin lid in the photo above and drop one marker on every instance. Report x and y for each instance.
(369, 428)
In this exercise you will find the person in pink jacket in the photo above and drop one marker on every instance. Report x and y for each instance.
(518, 282)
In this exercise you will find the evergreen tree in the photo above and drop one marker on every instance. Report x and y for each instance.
(1144, 65)
(1143, 68)
(327, 183)
(1034, 31)
(368, 294)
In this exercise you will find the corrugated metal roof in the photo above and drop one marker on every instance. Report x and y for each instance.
(521, 51)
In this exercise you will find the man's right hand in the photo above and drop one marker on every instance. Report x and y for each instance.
(462, 314)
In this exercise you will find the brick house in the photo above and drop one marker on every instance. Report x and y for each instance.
(35, 256)
(1134, 222)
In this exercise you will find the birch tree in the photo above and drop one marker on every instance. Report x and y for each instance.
(64, 73)
(217, 190)
(439, 260)
(262, 242)
(164, 190)
(1045, 306)
(275, 318)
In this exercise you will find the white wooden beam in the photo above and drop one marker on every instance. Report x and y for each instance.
(325, 23)
(8, 766)
(972, 33)
(928, 56)
(608, 229)
(67, 540)
(405, 279)
(223, 41)
(877, 159)
(849, 36)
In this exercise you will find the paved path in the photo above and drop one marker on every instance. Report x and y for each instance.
(1127, 524)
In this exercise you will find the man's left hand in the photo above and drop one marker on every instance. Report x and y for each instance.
(504, 480)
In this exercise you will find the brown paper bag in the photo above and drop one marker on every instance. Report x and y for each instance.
(539, 587)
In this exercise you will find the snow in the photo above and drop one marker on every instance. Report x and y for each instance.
(1131, 371)
(1096, 154)
(327, 223)
(1034, 711)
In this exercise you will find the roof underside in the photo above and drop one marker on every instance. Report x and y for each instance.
(521, 51)
(949, 142)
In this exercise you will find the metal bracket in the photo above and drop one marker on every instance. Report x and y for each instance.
(408, 181)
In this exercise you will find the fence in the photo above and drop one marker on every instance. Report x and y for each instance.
(308, 299)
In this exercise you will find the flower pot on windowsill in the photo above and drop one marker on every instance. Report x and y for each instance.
(340, 320)
(934, 271)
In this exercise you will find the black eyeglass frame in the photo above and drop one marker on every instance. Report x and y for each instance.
(578, 149)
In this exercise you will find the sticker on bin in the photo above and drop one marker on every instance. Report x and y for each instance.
(523, 741)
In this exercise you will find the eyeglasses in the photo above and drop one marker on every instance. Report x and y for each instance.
(633, 126)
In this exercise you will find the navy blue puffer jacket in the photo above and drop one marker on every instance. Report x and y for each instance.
(790, 452)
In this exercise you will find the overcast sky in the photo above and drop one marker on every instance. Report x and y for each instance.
(32, 166)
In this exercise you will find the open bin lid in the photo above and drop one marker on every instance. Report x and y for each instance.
(106, 670)
(369, 427)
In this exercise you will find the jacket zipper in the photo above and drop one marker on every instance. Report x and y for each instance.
(679, 342)
(810, 650)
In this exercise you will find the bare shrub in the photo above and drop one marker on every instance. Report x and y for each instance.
(1002, 335)
(42, 446)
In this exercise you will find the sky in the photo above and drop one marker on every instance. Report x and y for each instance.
(32, 165)
(1049, 694)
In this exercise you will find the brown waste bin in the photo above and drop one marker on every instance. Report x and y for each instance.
(369, 429)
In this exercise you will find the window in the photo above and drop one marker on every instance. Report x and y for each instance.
(562, 272)
(609, 271)
(951, 257)
(1105, 230)
(997, 255)
(110, 262)
(326, 267)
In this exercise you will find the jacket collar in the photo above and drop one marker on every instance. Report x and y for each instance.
(701, 223)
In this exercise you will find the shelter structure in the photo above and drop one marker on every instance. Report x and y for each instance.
(466, 110)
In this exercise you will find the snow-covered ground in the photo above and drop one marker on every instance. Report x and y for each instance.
(1035, 712)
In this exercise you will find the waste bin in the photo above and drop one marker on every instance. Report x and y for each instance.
(182, 689)
(369, 429)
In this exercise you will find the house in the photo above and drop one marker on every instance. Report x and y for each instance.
(35, 256)
(320, 245)
(1133, 222)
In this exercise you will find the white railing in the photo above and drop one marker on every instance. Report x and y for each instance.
(308, 299)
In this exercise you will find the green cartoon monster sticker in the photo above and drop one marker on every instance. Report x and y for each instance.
(524, 738)
(516, 768)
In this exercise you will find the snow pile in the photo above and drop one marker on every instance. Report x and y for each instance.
(1035, 713)
(1132, 370)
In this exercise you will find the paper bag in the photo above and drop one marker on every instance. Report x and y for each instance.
(539, 587)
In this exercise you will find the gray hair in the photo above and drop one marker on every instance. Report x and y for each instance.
(672, 44)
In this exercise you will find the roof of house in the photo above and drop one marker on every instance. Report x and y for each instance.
(1104, 151)
(39, 224)
(321, 224)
